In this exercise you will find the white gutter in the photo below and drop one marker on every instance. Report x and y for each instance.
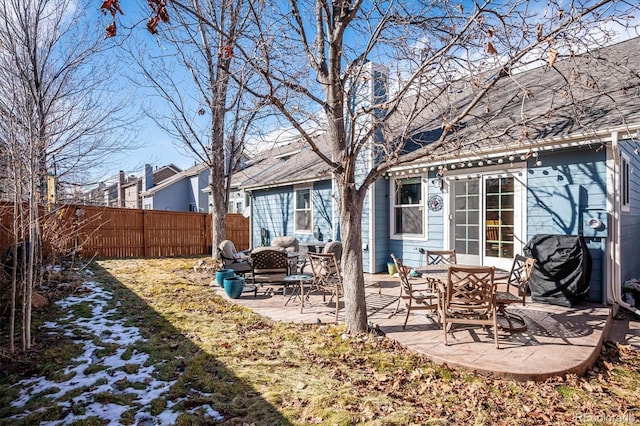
(519, 150)
(614, 291)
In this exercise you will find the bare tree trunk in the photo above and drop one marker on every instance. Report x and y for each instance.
(14, 281)
(218, 214)
(351, 204)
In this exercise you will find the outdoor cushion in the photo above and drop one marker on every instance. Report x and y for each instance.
(290, 244)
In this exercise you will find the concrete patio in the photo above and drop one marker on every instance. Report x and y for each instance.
(557, 341)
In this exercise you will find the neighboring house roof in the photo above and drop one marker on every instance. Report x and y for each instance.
(191, 171)
(579, 97)
(159, 175)
(165, 172)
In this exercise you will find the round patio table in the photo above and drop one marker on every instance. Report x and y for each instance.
(297, 281)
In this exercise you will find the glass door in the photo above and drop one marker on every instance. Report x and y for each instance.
(484, 220)
(466, 221)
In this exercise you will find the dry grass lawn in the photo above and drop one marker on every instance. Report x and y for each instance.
(256, 371)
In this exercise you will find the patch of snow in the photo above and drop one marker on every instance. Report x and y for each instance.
(113, 331)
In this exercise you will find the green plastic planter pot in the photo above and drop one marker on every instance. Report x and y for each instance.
(233, 286)
(221, 274)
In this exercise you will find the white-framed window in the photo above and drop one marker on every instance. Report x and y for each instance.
(407, 211)
(625, 180)
(303, 211)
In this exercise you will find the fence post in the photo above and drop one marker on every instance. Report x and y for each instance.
(144, 234)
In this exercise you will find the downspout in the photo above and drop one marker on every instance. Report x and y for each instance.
(250, 196)
(614, 290)
(372, 235)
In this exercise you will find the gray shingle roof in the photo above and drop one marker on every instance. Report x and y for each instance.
(288, 164)
(579, 96)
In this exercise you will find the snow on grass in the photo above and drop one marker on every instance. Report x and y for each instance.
(92, 376)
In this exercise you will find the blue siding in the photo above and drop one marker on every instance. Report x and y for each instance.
(381, 241)
(273, 211)
(173, 198)
(322, 210)
(630, 220)
(569, 184)
(198, 183)
(409, 250)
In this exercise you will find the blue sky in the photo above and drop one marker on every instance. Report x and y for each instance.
(156, 147)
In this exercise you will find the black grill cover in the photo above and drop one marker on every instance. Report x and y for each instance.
(563, 268)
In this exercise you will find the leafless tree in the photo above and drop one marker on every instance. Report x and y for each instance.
(58, 114)
(323, 64)
(315, 58)
(195, 99)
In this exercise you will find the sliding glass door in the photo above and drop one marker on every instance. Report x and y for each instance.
(485, 219)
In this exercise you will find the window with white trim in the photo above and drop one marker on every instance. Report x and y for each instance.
(625, 179)
(408, 207)
(303, 213)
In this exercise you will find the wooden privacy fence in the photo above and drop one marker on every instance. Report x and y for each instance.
(117, 232)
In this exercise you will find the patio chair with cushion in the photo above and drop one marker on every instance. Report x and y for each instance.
(289, 244)
(269, 267)
(334, 247)
(326, 276)
(468, 298)
(517, 282)
(415, 299)
(232, 259)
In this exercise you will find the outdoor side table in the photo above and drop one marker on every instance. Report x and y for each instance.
(250, 288)
(297, 281)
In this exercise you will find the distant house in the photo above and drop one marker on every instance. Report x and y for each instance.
(126, 190)
(180, 192)
(571, 173)
(151, 177)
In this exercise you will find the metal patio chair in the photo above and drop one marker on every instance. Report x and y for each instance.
(326, 276)
(518, 280)
(468, 298)
(415, 299)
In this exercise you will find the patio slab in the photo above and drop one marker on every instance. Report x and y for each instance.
(558, 340)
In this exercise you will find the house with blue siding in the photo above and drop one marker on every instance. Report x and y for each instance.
(292, 192)
(494, 183)
(182, 192)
